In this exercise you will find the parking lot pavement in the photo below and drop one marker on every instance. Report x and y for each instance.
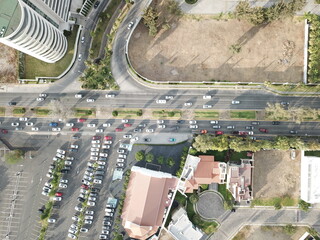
(12, 203)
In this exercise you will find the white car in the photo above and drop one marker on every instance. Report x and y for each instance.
(120, 151)
(67, 162)
(150, 130)
(192, 122)
(16, 124)
(69, 124)
(216, 127)
(103, 236)
(110, 95)
(95, 141)
(230, 127)
(74, 146)
(214, 122)
(109, 214)
(84, 191)
(94, 154)
(187, 104)
(96, 145)
(120, 160)
(235, 102)
(63, 185)
(101, 167)
(40, 99)
(207, 97)
(84, 230)
(89, 217)
(124, 120)
(93, 158)
(64, 180)
(105, 146)
(94, 149)
(161, 126)
(29, 123)
(23, 119)
(91, 125)
(99, 130)
(122, 156)
(97, 181)
(161, 101)
(72, 230)
(52, 220)
(193, 126)
(70, 158)
(59, 155)
(75, 218)
(86, 182)
(107, 142)
(130, 25)
(91, 203)
(101, 162)
(90, 99)
(35, 129)
(70, 235)
(89, 212)
(207, 106)
(56, 129)
(78, 95)
(43, 95)
(120, 164)
(63, 152)
(106, 124)
(78, 208)
(168, 97)
(90, 164)
(57, 199)
(92, 199)
(160, 121)
(88, 221)
(103, 155)
(127, 136)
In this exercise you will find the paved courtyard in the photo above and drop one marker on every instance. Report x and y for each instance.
(210, 205)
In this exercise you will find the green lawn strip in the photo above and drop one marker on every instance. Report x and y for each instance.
(166, 113)
(83, 112)
(37, 68)
(236, 156)
(42, 111)
(283, 201)
(103, 22)
(19, 111)
(295, 88)
(222, 189)
(206, 114)
(2, 110)
(243, 114)
(218, 155)
(312, 153)
(129, 112)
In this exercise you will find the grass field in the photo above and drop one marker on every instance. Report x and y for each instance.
(42, 111)
(206, 114)
(19, 111)
(243, 114)
(312, 153)
(37, 68)
(166, 114)
(284, 201)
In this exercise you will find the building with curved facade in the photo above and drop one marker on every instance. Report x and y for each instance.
(35, 27)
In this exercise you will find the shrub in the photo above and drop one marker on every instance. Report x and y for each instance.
(160, 159)
(290, 229)
(149, 157)
(139, 113)
(14, 156)
(139, 155)
(194, 198)
(304, 205)
(191, 1)
(115, 113)
(170, 162)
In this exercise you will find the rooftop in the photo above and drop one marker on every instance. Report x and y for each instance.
(310, 179)
(10, 15)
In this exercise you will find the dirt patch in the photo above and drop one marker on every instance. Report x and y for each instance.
(9, 64)
(164, 235)
(200, 50)
(269, 232)
(275, 174)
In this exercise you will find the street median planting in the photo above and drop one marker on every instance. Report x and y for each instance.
(41, 111)
(19, 111)
(206, 114)
(2, 111)
(243, 114)
(81, 112)
(129, 113)
(166, 113)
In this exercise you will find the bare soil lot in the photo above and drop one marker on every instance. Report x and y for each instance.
(193, 50)
(269, 232)
(9, 64)
(275, 174)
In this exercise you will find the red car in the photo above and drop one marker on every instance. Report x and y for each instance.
(119, 129)
(74, 129)
(58, 194)
(85, 186)
(204, 131)
(96, 137)
(4, 131)
(219, 132)
(107, 138)
(263, 130)
(81, 120)
(127, 125)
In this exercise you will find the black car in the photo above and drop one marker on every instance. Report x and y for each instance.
(106, 227)
(67, 167)
(96, 4)
(180, 121)
(12, 103)
(75, 137)
(80, 199)
(107, 218)
(95, 190)
(235, 132)
(64, 171)
(275, 123)
(147, 139)
(73, 150)
(56, 205)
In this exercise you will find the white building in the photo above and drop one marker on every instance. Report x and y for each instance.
(35, 27)
(310, 179)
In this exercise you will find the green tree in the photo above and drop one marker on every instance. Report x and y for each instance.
(139, 155)
(150, 19)
(160, 159)
(173, 7)
(139, 113)
(149, 157)
(290, 229)
(115, 113)
(304, 205)
(194, 198)
(170, 162)
(14, 156)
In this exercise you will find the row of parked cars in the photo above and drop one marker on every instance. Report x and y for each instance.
(89, 192)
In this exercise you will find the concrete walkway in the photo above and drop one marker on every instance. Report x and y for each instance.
(234, 221)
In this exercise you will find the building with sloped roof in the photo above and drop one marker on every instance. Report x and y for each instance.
(148, 197)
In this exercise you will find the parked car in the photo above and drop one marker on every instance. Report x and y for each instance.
(275, 123)
(235, 102)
